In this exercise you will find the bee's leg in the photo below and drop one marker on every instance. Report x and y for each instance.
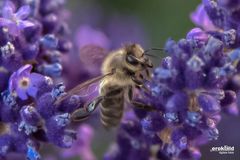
(148, 73)
(136, 80)
(79, 115)
(137, 104)
(130, 93)
(144, 106)
(84, 112)
(140, 85)
(146, 89)
(140, 80)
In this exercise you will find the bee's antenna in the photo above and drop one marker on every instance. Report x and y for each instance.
(151, 55)
(153, 49)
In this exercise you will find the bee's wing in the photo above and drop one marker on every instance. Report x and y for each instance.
(87, 88)
(84, 89)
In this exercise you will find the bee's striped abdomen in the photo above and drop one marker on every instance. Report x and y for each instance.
(112, 105)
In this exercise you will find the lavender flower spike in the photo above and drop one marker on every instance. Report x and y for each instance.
(23, 83)
(27, 112)
(15, 22)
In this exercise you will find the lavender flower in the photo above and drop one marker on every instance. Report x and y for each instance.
(15, 22)
(30, 49)
(24, 83)
(197, 81)
(41, 121)
(220, 18)
(201, 19)
(189, 91)
(197, 33)
(224, 15)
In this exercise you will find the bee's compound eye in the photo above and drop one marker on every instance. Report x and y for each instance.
(131, 60)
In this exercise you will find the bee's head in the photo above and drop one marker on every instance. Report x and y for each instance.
(136, 59)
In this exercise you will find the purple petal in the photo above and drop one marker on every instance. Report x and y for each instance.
(25, 24)
(209, 104)
(13, 29)
(32, 91)
(25, 70)
(22, 94)
(177, 102)
(201, 19)
(8, 10)
(12, 82)
(198, 34)
(5, 22)
(36, 78)
(23, 12)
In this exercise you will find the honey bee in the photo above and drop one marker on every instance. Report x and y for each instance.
(123, 70)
